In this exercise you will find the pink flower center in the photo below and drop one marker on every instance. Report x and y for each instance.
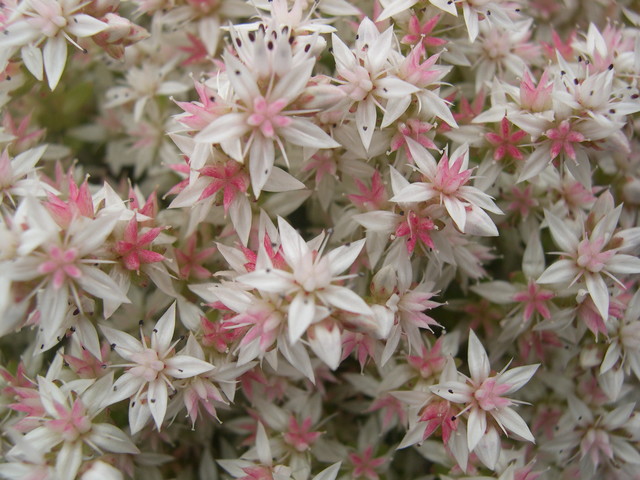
(266, 116)
(489, 394)
(590, 256)
(449, 178)
(299, 436)
(62, 264)
(71, 424)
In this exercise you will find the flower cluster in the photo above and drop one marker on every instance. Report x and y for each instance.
(319, 240)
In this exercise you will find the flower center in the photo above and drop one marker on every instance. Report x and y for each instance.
(61, 264)
(149, 365)
(489, 394)
(266, 116)
(590, 257)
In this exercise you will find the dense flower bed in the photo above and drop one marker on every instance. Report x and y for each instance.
(319, 239)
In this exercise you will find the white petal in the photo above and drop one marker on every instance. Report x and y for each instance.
(343, 257)
(124, 343)
(240, 213)
(185, 366)
(345, 60)
(329, 473)
(394, 8)
(241, 79)
(32, 58)
(412, 193)
(281, 181)
(226, 127)
(562, 271)
(379, 50)
(517, 377)
(476, 427)
(157, 396)
(378, 220)
(623, 264)
(488, 450)
(497, 292)
(55, 57)
(393, 87)
(599, 293)
(50, 394)
(456, 392)
(269, 280)
(564, 237)
(162, 334)
(68, 460)
(509, 419)
(477, 358)
(301, 313)
(327, 345)
(456, 210)
(112, 439)
(101, 285)
(83, 25)
(432, 104)
(125, 387)
(293, 245)
(423, 158)
(366, 120)
(261, 158)
(394, 108)
(611, 357)
(446, 5)
(344, 299)
(293, 82)
(306, 134)
(138, 416)
(262, 445)
(618, 417)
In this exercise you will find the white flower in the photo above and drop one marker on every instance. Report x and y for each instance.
(592, 256)
(52, 23)
(310, 281)
(69, 421)
(484, 395)
(152, 370)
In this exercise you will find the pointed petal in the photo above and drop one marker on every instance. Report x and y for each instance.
(301, 313)
(478, 360)
(456, 392)
(564, 237)
(162, 334)
(83, 25)
(54, 55)
(124, 343)
(293, 245)
(476, 427)
(111, 439)
(226, 127)
(68, 461)
(185, 366)
(517, 377)
(344, 299)
(509, 419)
(599, 293)
(366, 120)
(157, 396)
(306, 134)
(562, 271)
(343, 257)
